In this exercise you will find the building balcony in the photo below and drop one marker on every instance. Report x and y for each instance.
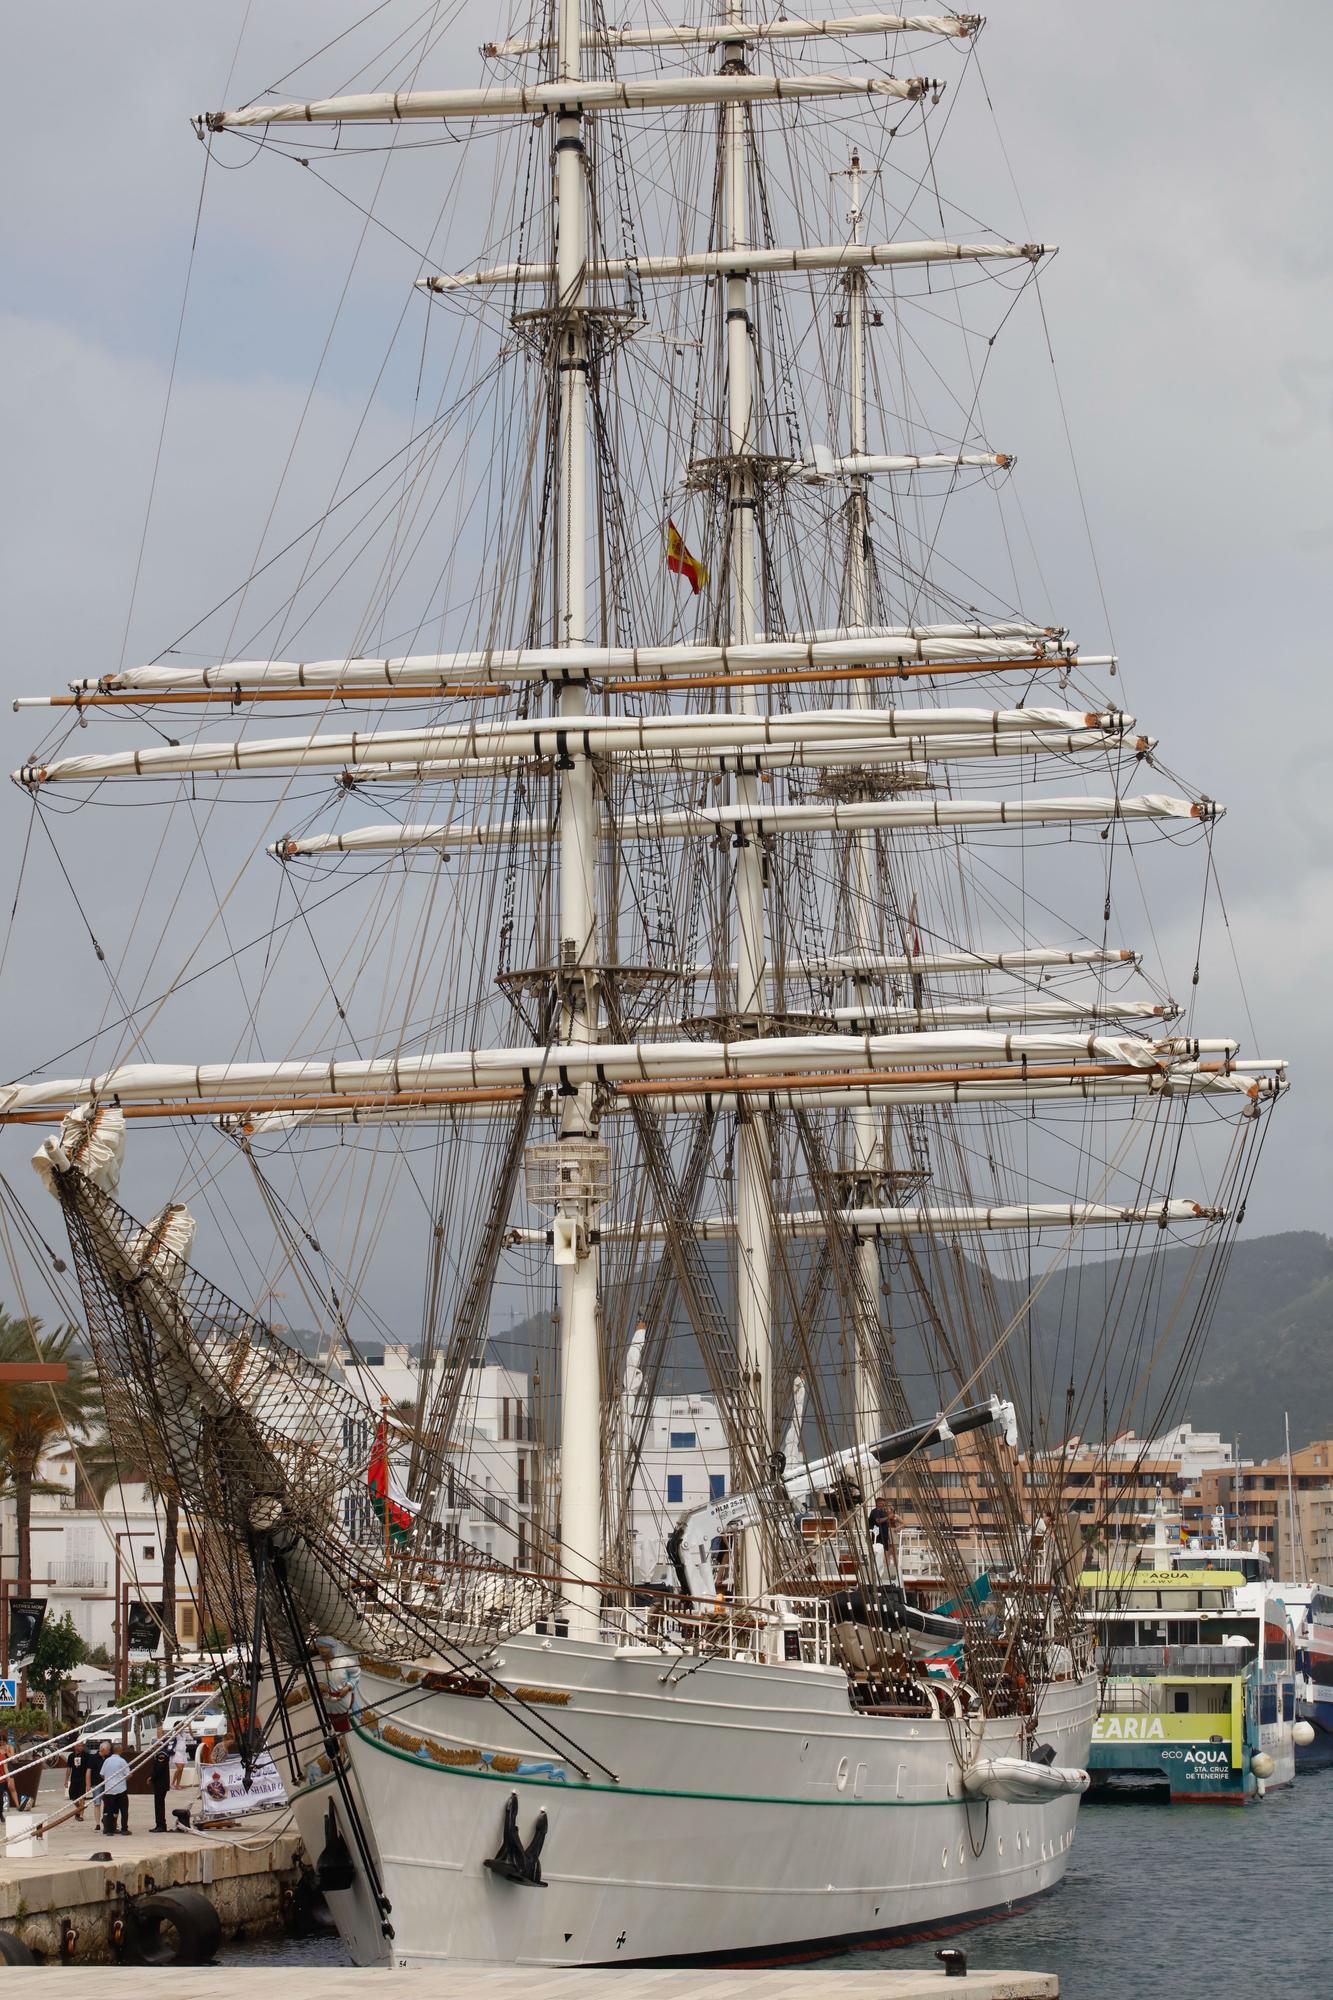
(77, 1575)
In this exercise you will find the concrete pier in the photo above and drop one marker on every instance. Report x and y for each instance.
(534, 1982)
(63, 1905)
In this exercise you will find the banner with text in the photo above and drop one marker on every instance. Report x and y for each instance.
(223, 1793)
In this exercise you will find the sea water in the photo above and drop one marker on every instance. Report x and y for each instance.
(1160, 1902)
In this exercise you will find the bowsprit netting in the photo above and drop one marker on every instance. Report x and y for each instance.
(259, 1441)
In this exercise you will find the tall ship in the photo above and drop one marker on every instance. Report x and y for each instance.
(700, 922)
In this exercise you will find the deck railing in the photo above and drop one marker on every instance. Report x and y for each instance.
(1188, 1660)
(787, 1628)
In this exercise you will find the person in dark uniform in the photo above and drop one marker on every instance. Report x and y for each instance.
(159, 1772)
(880, 1525)
(84, 1764)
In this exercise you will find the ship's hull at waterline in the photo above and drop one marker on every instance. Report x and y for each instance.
(736, 1811)
(1315, 1706)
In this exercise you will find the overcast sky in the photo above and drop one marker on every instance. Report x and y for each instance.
(1180, 161)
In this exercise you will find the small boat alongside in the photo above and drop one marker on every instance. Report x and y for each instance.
(1023, 1780)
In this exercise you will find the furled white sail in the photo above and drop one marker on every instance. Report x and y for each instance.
(755, 263)
(553, 737)
(710, 822)
(600, 1062)
(868, 464)
(1235, 1086)
(1038, 959)
(793, 27)
(962, 1219)
(1025, 1007)
(908, 755)
(586, 94)
(887, 645)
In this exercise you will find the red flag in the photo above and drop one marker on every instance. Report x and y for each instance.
(392, 1507)
(681, 563)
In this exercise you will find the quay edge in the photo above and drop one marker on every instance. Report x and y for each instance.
(41, 1900)
(530, 1982)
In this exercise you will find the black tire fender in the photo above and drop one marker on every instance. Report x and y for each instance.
(171, 1927)
(13, 1951)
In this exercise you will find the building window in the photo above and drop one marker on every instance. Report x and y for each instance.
(149, 1552)
(186, 1619)
(522, 1479)
(682, 1440)
(675, 1488)
(504, 1417)
(717, 1485)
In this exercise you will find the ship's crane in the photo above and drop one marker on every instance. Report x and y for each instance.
(690, 1545)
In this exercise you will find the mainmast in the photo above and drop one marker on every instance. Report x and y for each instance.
(754, 1171)
(577, 1173)
(867, 1162)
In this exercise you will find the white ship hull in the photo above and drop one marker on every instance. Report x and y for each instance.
(755, 1815)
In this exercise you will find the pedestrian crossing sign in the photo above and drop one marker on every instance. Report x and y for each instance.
(9, 1694)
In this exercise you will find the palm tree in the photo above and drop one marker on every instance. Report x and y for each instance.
(35, 1415)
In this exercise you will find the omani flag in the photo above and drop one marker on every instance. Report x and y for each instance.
(385, 1493)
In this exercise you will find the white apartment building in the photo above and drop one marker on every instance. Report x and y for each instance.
(684, 1461)
(1197, 1451)
(684, 1464)
(486, 1498)
(86, 1559)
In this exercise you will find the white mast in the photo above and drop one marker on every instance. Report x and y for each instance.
(754, 1234)
(1296, 1565)
(580, 1370)
(866, 1126)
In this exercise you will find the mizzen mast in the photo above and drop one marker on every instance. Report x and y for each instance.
(867, 1162)
(754, 1160)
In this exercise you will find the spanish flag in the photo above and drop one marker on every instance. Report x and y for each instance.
(393, 1510)
(681, 563)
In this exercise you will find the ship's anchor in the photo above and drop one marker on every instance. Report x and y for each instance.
(515, 1862)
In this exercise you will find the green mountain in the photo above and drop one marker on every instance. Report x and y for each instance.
(1267, 1350)
(1267, 1347)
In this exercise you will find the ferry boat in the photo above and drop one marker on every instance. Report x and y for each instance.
(1199, 1677)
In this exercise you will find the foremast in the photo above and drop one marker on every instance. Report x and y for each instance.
(576, 968)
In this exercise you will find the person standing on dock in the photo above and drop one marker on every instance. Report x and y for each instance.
(115, 1790)
(159, 1771)
(84, 1764)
